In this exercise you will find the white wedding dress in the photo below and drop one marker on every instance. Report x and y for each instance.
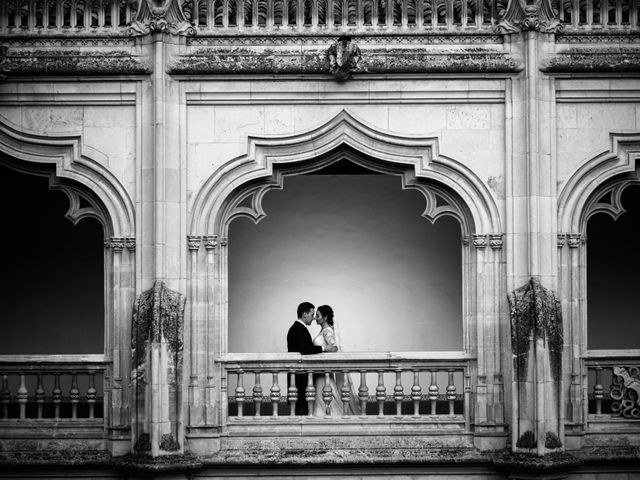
(327, 336)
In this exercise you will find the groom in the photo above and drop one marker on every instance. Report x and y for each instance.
(299, 340)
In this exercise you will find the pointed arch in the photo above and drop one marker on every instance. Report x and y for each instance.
(269, 159)
(75, 169)
(582, 195)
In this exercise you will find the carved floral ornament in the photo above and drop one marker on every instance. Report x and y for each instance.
(162, 16)
(529, 15)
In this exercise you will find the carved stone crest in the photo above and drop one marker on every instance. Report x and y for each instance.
(166, 16)
(344, 56)
(523, 15)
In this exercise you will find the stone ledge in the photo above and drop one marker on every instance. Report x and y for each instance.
(597, 60)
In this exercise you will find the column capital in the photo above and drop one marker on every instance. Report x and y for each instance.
(130, 243)
(210, 242)
(479, 240)
(193, 242)
(573, 239)
(562, 239)
(496, 241)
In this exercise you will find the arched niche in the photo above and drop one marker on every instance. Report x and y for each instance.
(594, 191)
(93, 192)
(385, 254)
(449, 188)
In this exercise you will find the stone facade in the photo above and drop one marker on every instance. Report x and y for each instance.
(168, 123)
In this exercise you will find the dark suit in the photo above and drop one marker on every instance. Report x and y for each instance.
(299, 340)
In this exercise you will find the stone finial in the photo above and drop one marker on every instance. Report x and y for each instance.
(344, 56)
(162, 16)
(523, 15)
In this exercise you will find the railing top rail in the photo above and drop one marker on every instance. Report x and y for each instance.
(611, 356)
(352, 360)
(25, 363)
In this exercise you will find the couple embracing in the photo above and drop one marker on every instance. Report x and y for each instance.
(299, 340)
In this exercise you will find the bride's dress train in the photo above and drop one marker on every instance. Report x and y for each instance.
(336, 382)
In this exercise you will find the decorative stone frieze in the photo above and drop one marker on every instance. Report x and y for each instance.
(344, 56)
(161, 16)
(496, 241)
(479, 241)
(193, 242)
(523, 15)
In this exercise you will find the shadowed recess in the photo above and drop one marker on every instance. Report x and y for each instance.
(52, 274)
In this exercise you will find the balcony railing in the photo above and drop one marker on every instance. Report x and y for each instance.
(311, 17)
(51, 387)
(429, 387)
(613, 387)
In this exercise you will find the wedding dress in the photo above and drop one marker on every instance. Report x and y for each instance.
(327, 336)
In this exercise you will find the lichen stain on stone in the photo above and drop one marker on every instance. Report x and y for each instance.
(595, 60)
(75, 62)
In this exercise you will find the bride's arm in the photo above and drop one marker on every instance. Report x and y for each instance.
(329, 336)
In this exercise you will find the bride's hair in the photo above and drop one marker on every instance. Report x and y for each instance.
(326, 311)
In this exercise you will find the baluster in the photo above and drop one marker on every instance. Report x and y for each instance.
(398, 392)
(31, 15)
(39, 394)
(270, 14)
(87, 14)
(389, 18)
(329, 19)
(275, 394)
(345, 13)
(240, 393)
(5, 396)
(433, 391)
(327, 393)
(604, 15)
(464, 13)
(254, 13)
(598, 390)
(381, 393)
(310, 393)
(74, 395)
(434, 12)
(419, 13)
(114, 14)
(292, 394)
(91, 395)
(374, 13)
(360, 13)
(285, 13)
(23, 396)
(363, 392)
(345, 392)
(589, 12)
(618, 13)
(404, 20)
(73, 14)
(300, 14)
(57, 395)
(257, 395)
(451, 392)
(416, 392)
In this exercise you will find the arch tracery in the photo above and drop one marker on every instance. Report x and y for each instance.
(225, 194)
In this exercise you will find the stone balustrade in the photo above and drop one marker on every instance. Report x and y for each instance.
(384, 384)
(308, 17)
(51, 387)
(613, 387)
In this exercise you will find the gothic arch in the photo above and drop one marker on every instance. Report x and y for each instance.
(582, 195)
(74, 163)
(237, 188)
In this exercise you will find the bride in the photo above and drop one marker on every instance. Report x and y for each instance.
(327, 336)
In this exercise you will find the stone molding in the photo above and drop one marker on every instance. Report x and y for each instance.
(416, 158)
(584, 192)
(75, 168)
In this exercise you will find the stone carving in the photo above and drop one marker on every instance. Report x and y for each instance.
(130, 243)
(535, 313)
(479, 241)
(3, 62)
(625, 392)
(193, 242)
(210, 242)
(562, 239)
(158, 316)
(156, 349)
(161, 16)
(344, 56)
(523, 15)
(573, 240)
(495, 241)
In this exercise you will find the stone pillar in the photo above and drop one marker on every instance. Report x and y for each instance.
(537, 423)
(157, 346)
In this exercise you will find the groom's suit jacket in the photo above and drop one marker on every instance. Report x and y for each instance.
(299, 340)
